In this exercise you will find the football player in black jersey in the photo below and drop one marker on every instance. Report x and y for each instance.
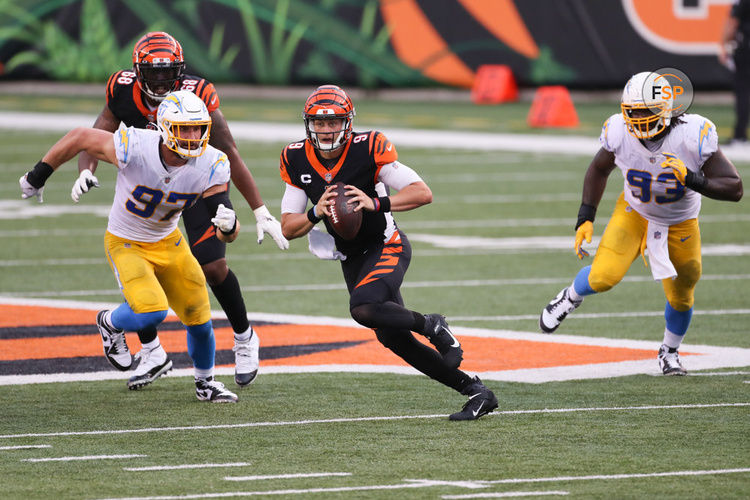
(133, 97)
(375, 261)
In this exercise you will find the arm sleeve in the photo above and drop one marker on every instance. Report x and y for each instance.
(396, 175)
(294, 200)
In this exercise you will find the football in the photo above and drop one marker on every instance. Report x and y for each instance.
(344, 220)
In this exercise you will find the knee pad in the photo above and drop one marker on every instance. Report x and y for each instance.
(601, 280)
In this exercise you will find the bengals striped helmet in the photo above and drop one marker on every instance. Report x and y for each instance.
(328, 102)
(158, 64)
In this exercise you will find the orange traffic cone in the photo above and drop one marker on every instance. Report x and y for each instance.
(493, 84)
(552, 107)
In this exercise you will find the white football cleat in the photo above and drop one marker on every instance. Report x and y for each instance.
(246, 360)
(669, 362)
(557, 310)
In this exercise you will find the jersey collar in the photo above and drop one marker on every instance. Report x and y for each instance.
(327, 175)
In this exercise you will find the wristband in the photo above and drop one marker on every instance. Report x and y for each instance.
(382, 204)
(312, 217)
(695, 181)
(585, 213)
(234, 228)
(38, 175)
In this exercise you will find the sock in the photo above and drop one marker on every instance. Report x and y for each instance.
(124, 318)
(428, 361)
(204, 374)
(150, 346)
(677, 325)
(229, 295)
(146, 335)
(244, 336)
(201, 345)
(581, 287)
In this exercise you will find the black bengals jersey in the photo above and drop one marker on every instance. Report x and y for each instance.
(126, 102)
(358, 165)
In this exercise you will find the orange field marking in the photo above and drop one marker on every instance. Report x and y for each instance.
(480, 354)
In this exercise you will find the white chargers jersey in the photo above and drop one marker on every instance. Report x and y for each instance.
(149, 198)
(651, 190)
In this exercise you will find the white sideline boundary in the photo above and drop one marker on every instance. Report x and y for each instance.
(286, 132)
(695, 356)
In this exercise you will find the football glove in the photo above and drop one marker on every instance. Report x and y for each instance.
(225, 219)
(678, 167)
(85, 181)
(27, 190)
(266, 223)
(584, 231)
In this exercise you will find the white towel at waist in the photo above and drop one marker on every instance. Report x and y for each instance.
(323, 246)
(657, 242)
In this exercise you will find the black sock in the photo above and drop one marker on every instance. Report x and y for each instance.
(229, 295)
(423, 358)
(147, 335)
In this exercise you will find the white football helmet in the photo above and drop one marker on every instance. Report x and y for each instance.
(183, 109)
(642, 92)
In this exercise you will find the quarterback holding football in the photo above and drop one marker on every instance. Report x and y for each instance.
(374, 253)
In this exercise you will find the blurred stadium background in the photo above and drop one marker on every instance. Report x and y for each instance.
(489, 252)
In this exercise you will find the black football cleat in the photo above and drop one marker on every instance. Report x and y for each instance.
(481, 402)
(438, 332)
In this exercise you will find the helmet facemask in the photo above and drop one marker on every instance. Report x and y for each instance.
(157, 80)
(340, 136)
(178, 111)
(645, 124)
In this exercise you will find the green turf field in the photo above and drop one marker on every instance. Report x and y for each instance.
(617, 437)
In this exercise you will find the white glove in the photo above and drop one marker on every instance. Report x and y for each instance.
(225, 219)
(323, 246)
(85, 181)
(266, 223)
(27, 190)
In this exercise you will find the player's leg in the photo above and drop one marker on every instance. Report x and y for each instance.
(374, 282)
(617, 249)
(685, 254)
(185, 287)
(210, 253)
(146, 303)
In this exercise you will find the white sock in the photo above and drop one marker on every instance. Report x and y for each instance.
(107, 319)
(244, 336)
(572, 295)
(204, 374)
(672, 340)
(152, 345)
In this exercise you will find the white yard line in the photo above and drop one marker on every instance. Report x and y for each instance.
(607, 477)
(184, 466)
(317, 287)
(85, 457)
(360, 420)
(25, 447)
(287, 476)
(635, 314)
(509, 494)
